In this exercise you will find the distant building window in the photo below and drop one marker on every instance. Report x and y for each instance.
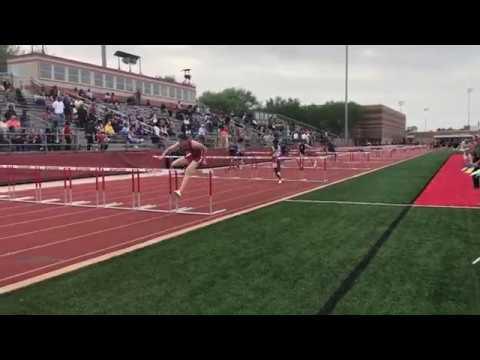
(109, 81)
(171, 91)
(85, 77)
(129, 85)
(59, 72)
(45, 70)
(120, 83)
(73, 75)
(99, 80)
(156, 89)
(164, 91)
(179, 94)
(148, 88)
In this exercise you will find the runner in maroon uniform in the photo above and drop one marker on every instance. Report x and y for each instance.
(191, 161)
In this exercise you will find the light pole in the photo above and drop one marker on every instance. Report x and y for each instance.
(469, 91)
(425, 111)
(400, 104)
(346, 94)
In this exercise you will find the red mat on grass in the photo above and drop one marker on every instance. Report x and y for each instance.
(450, 187)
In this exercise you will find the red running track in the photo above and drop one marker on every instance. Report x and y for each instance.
(37, 239)
(450, 187)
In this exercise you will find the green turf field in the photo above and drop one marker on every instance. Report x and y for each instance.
(292, 258)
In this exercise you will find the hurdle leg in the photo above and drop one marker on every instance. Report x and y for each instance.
(70, 188)
(138, 189)
(104, 196)
(13, 184)
(96, 187)
(210, 191)
(133, 189)
(176, 188)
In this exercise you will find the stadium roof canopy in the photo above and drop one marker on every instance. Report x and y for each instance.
(126, 57)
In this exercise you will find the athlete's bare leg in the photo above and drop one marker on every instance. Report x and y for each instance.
(189, 171)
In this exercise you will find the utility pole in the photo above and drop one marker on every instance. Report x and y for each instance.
(346, 94)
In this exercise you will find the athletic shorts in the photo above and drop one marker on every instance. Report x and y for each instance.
(276, 163)
(190, 157)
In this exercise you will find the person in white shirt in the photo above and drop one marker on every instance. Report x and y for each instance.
(58, 109)
(202, 131)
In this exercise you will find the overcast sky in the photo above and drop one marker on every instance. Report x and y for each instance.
(423, 76)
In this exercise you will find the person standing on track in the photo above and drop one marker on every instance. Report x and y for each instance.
(195, 156)
(476, 163)
(279, 150)
(302, 150)
(236, 150)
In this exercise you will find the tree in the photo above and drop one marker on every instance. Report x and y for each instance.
(411, 129)
(329, 116)
(229, 100)
(5, 52)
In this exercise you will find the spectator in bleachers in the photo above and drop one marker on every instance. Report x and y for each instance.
(3, 127)
(67, 135)
(93, 107)
(112, 98)
(67, 108)
(132, 139)
(58, 109)
(164, 130)
(13, 123)
(82, 116)
(223, 137)
(202, 133)
(25, 119)
(39, 100)
(102, 140)
(11, 111)
(106, 98)
(108, 129)
(124, 130)
(89, 133)
(89, 94)
(156, 134)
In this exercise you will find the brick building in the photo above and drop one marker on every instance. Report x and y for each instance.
(378, 125)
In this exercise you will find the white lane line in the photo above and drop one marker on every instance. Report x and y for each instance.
(113, 204)
(346, 202)
(46, 201)
(24, 198)
(476, 261)
(149, 206)
(382, 204)
(81, 202)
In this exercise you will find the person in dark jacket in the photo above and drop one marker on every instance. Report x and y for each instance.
(90, 132)
(25, 119)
